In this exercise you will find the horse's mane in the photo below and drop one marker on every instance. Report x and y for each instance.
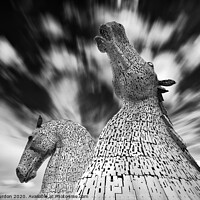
(179, 141)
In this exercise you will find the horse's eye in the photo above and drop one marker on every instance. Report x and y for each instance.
(150, 63)
(30, 138)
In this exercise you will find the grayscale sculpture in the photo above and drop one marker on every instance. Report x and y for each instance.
(71, 148)
(138, 154)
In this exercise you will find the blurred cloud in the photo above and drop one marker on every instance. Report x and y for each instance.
(190, 53)
(9, 56)
(61, 59)
(64, 98)
(52, 27)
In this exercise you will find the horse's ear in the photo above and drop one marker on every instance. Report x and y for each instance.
(39, 122)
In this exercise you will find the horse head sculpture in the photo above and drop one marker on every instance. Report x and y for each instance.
(35, 152)
(70, 146)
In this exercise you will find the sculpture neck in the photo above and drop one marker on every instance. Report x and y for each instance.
(56, 173)
(149, 105)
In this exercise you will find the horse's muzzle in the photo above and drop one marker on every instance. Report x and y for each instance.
(25, 178)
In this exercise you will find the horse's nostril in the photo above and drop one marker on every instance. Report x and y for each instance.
(18, 172)
(19, 175)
